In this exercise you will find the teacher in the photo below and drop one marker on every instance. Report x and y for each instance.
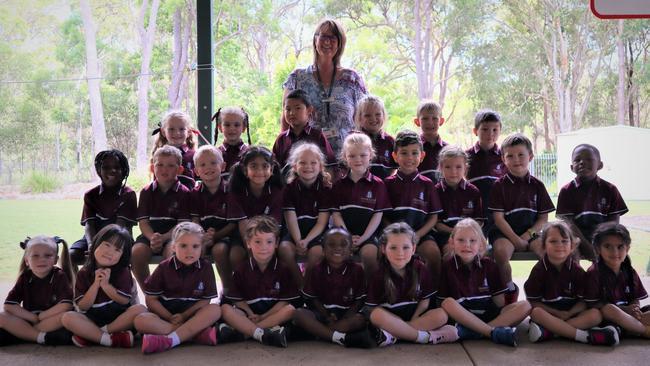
(332, 89)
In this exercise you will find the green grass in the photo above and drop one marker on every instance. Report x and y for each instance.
(20, 218)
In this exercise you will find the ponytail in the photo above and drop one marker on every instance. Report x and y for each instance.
(53, 242)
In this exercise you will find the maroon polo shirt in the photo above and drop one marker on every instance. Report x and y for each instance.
(287, 139)
(269, 203)
(335, 288)
(521, 200)
(104, 206)
(262, 290)
(307, 202)
(472, 286)
(590, 203)
(40, 294)
(484, 168)
(462, 202)
(603, 285)
(213, 210)
(429, 166)
(558, 289)
(377, 290)
(413, 198)
(357, 202)
(383, 164)
(120, 279)
(164, 210)
(188, 161)
(173, 280)
(232, 154)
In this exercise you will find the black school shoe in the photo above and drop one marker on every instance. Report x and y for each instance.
(59, 337)
(228, 334)
(360, 339)
(275, 336)
(7, 339)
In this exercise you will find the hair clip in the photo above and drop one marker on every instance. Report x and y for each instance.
(23, 244)
(157, 130)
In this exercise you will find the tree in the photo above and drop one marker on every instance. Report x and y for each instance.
(182, 30)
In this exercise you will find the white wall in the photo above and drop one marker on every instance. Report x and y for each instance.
(624, 150)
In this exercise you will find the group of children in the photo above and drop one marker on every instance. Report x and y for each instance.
(413, 209)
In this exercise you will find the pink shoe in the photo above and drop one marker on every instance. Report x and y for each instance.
(122, 339)
(153, 343)
(445, 334)
(207, 336)
(80, 342)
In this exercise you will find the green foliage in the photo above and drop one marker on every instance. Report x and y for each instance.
(38, 182)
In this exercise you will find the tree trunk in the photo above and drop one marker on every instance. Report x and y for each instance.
(629, 85)
(177, 88)
(93, 77)
(620, 87)
(146, 44)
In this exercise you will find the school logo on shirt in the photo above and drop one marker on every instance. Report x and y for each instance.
(267, 209)
(368, 200)
(386, 154)
(349, 296)
(421, 196)
(470, 204)
(627, 289)
(275, 291)
(418, 291)
(602, 205)
(199, 289)
(484, 286)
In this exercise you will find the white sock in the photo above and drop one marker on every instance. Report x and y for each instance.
(106, 340)
(511, 286)
(40, 338)
(423, 337)
(338, 337)
(259, 332)
(104, 329)
(175, 340)
(581, 336)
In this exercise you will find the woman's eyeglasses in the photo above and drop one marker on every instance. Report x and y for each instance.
(327, 37)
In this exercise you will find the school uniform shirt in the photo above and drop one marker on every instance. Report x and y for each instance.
(335, 288)
(188, 161)
(358, 202)
(39, 294)
(484, 168)
(120, 279)
(262, 290)
(413, 198)
(287, 139)
(269, 203)
(164, 210)
(103, 206)
(590, 203)
(213, 210)
(521, 200)
(383, 164)
(175, 282)
(429, 166)
(307, 202)
(232, 154)
(404, 305)
(560, 289)
(458, 203)
(603, 285)
(474, 285)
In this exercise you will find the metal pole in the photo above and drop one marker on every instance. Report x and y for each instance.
(205, 72)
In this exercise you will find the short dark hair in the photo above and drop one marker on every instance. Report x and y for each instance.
(485, 116)
(407, 137)
(517, 139)
(593, 148)
(300, 95)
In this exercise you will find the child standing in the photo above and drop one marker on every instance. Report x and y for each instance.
(306, 207)
(459, 198)
(103, 293)
(178, 296)
(111, 202)
(176, 130)
(163, 203)
(42, 294)
(400, 291)
(588, 200)
(471, 289)
(520, 205)
(232, 122)
(211, 207)
(613, 285)
(360, 200)
(484, 163)
(297, 112)
(414, 198)
(262, 292)
(370, 116)
(429, 119)
(555, 289)
(334, 291)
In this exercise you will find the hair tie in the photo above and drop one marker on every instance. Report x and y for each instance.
(195, 131)
(58, 240)
(23, 244)
(157, 130)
